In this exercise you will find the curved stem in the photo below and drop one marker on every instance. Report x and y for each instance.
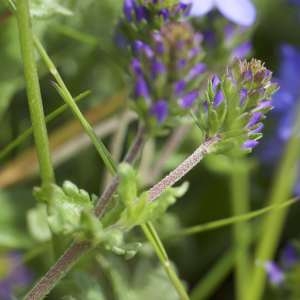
(34, 93)
(78, 249)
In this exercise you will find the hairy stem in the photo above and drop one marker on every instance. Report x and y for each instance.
(78, 249)
(34, 93)
(180, 171)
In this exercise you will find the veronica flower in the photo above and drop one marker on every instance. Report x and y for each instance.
(13, 274)
(237, 104)
(241, 12)
(167, 72)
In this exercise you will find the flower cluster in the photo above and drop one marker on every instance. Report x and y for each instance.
(167, 72)
(143, 16)
(236, 105)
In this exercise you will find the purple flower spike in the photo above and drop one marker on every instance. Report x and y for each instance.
(160, 110)
(219, 98)
(141, 88)
(250, 144)
(255, 118)
(242, 50)
(179, 87)
(141, 13)
(264, 105)
(140, 47)
(188, 100)
(241, 12)
(258, 129)
(196, 71)
(275, 274)
(165, 13)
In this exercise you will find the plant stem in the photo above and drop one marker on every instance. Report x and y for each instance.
(274, 222)
(217, 274)
(75, 251)
(180, 171)
(241, 231)
(68, 98)
(34, 93)
(78, 249)
(156, 243)
(230, 221)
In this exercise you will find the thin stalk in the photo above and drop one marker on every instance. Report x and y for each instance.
(34, 93)
(205, 288)
(68, 98)
(273, 225)
(75, 251)
(214, 225)
(28, 132)
(241, 231)
(156, 243)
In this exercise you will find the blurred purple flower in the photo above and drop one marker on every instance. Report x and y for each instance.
(289, 256)
(285, 104)
(241, 12)
(275, 273)
(13, 275)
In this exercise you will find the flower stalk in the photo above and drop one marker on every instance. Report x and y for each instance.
(34, 93)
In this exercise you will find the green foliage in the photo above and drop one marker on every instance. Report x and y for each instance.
(138, 209)
(48, 8)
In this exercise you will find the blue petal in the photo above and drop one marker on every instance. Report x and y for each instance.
(241, 12)
(200, 7)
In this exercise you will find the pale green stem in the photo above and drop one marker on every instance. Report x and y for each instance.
(214, 225)
(217, 274)
(156, 243)
(68, 98)
(274, 222)
(34, 93)
(241, 231)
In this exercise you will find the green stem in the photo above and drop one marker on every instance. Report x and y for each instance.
(241, 233)
(156, 243)
(273, 225)
(217, 274)
(34, 93)
(68, 98)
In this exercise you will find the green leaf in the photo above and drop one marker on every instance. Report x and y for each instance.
(37, 223)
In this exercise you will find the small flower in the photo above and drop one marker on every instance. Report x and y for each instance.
(289, 256)
(275, 273)
(241, 12)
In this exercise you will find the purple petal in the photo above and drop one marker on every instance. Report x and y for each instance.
(141, 88)
(255, 118)
(157, 68)
(128, 9)
(136, 67)
(243, 96)
(188, 100)
(196, 71)
(160, 110)
(179, 87)
(258, 129)
(289, 256)
(200, 7)
(219, 98)
(241, 12)
(215, 81)
(275, 274)
(242, 50)
(250, 144)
